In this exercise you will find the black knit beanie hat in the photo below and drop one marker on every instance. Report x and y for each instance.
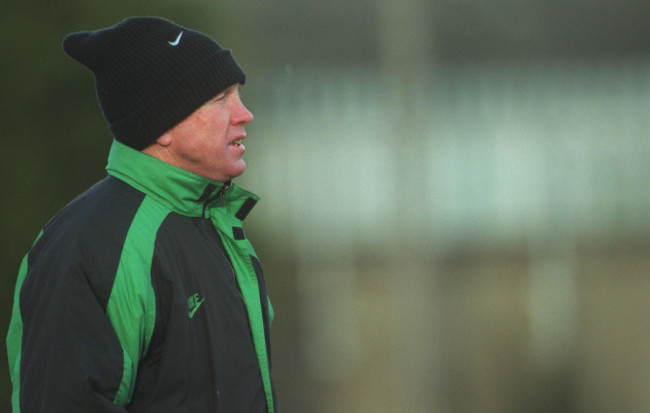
(151, 74)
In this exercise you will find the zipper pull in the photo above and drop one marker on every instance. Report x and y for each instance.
(209, 196)
(221, 195)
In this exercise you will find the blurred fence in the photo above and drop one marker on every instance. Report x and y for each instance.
(472, 154)
(422, 204)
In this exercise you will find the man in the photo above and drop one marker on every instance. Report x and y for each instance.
(143, 294)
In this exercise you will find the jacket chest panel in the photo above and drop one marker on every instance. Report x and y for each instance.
(202, 330)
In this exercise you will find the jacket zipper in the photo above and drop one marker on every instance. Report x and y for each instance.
(219, 196)
(234, 276)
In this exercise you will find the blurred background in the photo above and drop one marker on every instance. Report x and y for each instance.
(455, 209)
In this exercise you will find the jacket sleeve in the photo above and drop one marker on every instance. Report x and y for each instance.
(64, 353)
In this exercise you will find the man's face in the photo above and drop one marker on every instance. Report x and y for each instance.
(209, 142)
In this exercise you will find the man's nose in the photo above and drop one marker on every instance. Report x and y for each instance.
(242, 114)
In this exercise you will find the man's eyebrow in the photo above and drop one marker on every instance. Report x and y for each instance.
(234, 88)
(218, 96)
(237, 87)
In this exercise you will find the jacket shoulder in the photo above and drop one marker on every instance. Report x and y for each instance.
(85, 239)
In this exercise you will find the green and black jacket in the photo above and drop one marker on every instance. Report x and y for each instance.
(143, 295)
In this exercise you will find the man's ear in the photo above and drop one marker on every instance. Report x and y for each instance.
(165, 139)
(159, 147)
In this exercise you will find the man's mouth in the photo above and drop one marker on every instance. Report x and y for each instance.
(237, 143)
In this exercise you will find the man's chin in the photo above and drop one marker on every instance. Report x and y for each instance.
(237, 171)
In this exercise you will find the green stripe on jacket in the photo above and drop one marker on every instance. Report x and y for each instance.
(132, 303)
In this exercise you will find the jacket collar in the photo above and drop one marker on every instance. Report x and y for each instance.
(179, 190)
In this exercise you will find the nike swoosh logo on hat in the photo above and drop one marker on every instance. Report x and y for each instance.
(178, 39)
